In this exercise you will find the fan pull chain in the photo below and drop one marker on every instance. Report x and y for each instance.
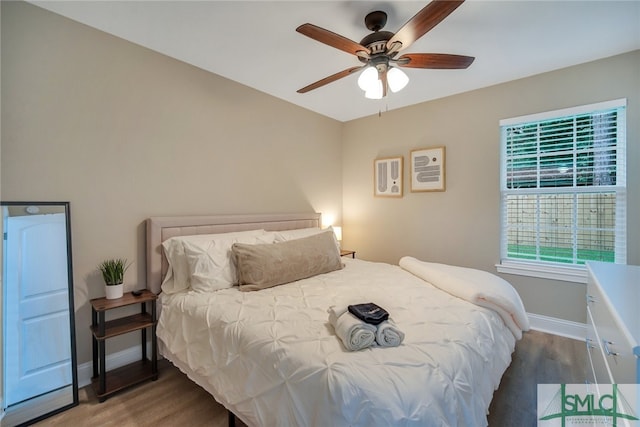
(386, 110)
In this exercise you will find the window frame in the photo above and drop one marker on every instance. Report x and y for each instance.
(555, 270)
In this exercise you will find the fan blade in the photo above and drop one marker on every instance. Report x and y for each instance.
(441, 61)
(332, 78)
(332, 39)
(430, 16)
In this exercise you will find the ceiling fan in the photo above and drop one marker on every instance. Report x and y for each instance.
(379, 50)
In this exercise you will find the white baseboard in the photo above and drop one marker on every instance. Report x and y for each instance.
(561, 327)
(112, 361)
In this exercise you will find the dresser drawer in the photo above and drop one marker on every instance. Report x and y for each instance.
(615, 348)
(597, 361)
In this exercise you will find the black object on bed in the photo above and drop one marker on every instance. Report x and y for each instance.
(369, 313)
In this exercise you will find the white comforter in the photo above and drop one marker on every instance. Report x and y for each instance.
(272, 358)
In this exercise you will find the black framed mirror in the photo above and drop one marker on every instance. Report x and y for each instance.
(39, 370)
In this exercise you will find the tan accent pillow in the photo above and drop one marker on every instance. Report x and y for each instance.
(265, 265)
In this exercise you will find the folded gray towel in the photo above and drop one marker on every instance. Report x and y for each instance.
(353, 332)
(388, 334)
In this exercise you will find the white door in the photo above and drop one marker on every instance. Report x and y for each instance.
(37, 327)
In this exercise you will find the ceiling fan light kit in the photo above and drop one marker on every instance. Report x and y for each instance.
(368, 78)
(370, 82)
(397, 79)
(378, 51)
(375, 91)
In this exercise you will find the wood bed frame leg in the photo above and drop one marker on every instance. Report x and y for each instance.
(232, 419)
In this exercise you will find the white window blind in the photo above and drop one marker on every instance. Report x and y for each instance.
(563, 188)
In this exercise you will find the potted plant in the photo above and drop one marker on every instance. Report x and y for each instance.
(113, 274)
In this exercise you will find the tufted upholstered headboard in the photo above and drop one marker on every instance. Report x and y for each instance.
(162, 228)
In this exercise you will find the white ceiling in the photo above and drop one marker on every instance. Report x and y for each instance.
(255, 42)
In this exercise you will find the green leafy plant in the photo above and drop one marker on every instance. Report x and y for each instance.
(113, 270)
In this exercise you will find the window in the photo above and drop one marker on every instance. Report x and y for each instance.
(563, 191)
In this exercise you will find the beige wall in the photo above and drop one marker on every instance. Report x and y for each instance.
(462, 225)
(124, 133)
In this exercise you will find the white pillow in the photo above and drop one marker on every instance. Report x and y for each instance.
(211, 266)
(283, 236)
(177, 278)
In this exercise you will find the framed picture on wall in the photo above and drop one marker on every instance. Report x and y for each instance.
(387, 177)
(428, 169)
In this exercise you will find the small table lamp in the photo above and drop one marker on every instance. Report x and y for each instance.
(338, 232)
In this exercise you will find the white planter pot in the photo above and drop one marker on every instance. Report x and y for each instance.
(114, 291)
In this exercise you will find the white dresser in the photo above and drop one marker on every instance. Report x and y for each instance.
(613, 317)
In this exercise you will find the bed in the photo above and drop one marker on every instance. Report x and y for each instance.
(272, 357)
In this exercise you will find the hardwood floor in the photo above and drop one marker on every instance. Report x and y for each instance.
(173, 400)
(539, 358)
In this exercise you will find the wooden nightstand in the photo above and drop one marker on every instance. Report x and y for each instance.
(106, 383)
(344, 252)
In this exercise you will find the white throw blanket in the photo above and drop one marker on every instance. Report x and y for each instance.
(476, 286)
(354, 333)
